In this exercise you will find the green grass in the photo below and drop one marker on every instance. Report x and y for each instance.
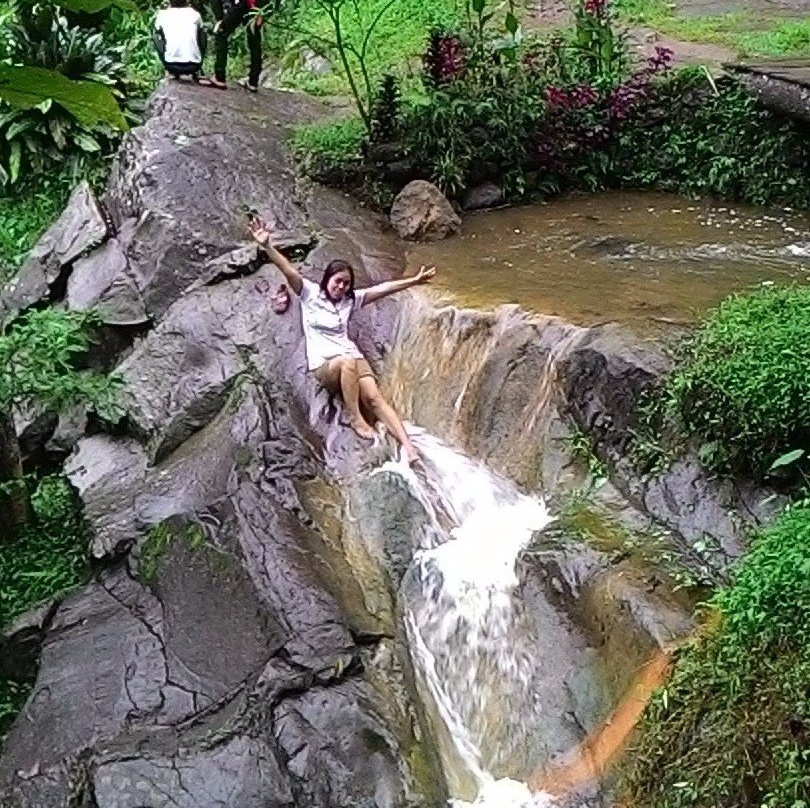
(25, 214)
(732, 727)
(743, 382)
(398, 40)
(49, 556)
(738, 31)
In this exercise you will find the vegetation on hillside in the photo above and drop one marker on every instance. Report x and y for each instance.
(732, 727)
(571, 111)
(742, 385)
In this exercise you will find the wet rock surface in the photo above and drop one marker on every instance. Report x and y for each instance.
(421, 212)
(516, 390)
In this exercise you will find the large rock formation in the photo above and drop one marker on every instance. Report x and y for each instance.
(224, 653)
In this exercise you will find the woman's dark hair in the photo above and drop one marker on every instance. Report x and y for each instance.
(332, 268)
(178, 3)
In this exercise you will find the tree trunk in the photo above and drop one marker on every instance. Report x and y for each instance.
(14, 505)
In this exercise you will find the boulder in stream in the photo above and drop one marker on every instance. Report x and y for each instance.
(421, 212)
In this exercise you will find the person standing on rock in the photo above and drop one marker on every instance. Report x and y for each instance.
(334, 360)
(229, 15)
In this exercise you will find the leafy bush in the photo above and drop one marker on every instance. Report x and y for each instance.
(732, 726)
(39, 358)
(50, 555)
(84, 80)
(46, 559)
(688, 139)
(329, 151)
(743, 381)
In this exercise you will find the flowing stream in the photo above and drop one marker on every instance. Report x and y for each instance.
(510, 687)
(651, 261)
(464, 626)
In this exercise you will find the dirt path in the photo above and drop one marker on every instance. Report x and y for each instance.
(544, 14)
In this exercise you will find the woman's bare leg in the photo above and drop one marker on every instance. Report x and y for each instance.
(341, 375)
(373, 399)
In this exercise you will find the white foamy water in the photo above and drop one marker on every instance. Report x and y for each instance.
(461, 619)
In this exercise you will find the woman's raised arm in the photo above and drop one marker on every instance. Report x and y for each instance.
(381, 290)
(261, 235)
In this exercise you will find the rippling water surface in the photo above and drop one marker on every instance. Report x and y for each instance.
(651, 261)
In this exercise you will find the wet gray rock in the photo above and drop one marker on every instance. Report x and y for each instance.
(80, 228)
(421, 212)
(487, 195)
(243, 772)
(70, 428)
(21, 641)
(220, 632)
(102, 281)
(314, 63)
(34, 425)
(179, 376)
(182, 180)
(348, 712)
(123, 496)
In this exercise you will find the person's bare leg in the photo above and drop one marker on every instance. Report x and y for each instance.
(344, 371)
(373, 399)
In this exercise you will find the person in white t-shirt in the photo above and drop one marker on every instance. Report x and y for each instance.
(180, 39)
(334, 360)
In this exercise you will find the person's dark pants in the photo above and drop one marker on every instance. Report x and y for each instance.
(238, 14)
(181, 68)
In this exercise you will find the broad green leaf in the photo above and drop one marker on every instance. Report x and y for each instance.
(786, 459)
(14, 157)
(89, 103)
(86, 142)
(17, 127)
(511, 23)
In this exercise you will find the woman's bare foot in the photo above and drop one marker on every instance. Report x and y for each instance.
(363, 429)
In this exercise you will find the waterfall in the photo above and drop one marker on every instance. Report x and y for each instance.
(463, 624)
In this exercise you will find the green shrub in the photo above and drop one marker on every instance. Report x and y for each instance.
(742, 384)
(26, 212)
(687, 139)
(46, 559)
(329, 151)
(83, 79)
(48, 556)
(732, 728)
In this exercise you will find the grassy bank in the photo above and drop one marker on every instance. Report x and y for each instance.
(732, 728)
(396, 45)
(740, 31)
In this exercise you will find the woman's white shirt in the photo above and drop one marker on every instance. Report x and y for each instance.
(326, 324)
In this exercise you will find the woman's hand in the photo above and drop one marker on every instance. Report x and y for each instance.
(425, 274)
(260, 231)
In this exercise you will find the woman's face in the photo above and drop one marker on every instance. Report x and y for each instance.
(338, 285)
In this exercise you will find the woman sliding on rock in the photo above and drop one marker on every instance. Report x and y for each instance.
(334, 360)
